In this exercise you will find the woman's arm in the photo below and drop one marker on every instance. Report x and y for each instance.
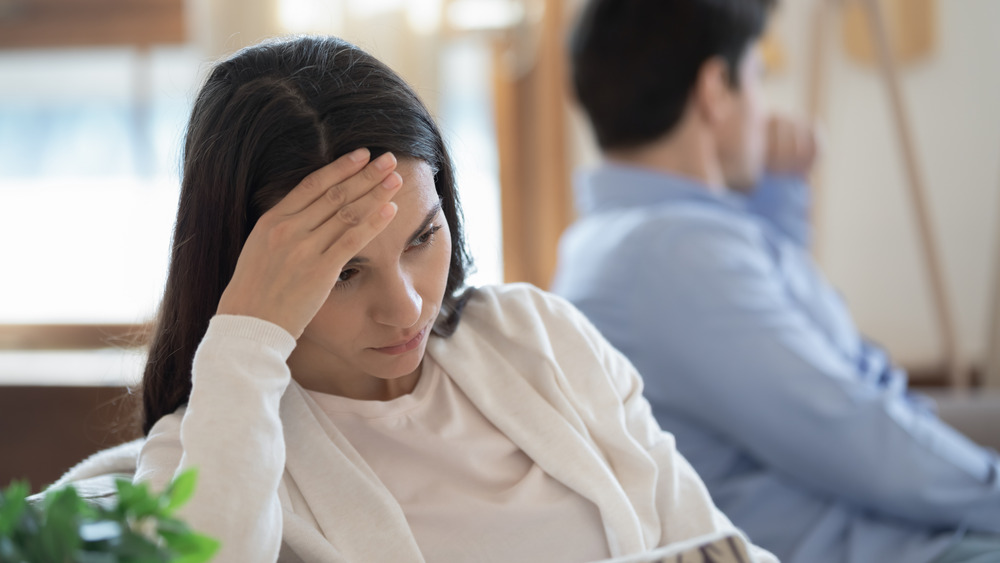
(231, 430)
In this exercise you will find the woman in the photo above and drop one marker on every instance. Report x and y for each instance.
(343, 396)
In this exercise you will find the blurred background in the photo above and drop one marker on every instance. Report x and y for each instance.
(94, 96)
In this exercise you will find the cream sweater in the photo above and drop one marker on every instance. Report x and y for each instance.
(278, 481)
(468, 492)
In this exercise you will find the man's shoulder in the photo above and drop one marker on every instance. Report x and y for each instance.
(661, 226)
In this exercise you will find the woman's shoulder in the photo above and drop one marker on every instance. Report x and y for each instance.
(523, 313)
(518, 307)
(518, 299)
(527, 325)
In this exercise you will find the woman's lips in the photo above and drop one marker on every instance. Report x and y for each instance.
(404, 347)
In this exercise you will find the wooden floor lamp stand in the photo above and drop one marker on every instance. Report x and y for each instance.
(958, 372)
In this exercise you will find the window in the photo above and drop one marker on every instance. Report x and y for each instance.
(90, 144)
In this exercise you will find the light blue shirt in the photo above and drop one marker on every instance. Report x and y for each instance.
(803, 432)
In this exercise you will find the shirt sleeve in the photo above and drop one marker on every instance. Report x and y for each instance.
(784, 202)
(231, 433)
(746, 362)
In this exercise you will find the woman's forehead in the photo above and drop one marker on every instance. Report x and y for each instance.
(418, 194)
(417, 202)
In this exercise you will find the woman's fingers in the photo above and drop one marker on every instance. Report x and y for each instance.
(340, 198)
(350, 242)
(360, 215)
(285, 270)
(315, 185)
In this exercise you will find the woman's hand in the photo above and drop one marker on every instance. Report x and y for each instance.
(295, 252)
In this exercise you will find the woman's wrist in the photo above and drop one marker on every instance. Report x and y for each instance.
(261, 331)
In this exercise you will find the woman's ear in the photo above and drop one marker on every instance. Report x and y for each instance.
(713, 91)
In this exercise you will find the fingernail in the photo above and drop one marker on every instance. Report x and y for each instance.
(388, 210)
(392, 181)
(358, 155)
(385, 162)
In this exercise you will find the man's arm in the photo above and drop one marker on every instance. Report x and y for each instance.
(784, 201)
(723, 341)
(782, 197)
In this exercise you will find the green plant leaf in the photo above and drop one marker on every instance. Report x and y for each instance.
(181, 489)
(137, 548)
(60, 531)
(12, 505)
(191, 547)
(65, 528)
(95, 557)
(168, 525)
(135, 500)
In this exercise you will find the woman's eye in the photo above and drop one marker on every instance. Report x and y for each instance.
(347, 274)
(425, 238)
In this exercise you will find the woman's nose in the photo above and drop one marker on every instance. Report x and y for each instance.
(400, 304)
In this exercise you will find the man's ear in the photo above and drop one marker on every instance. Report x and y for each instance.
(713, 91)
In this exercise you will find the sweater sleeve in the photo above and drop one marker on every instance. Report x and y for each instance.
(683, 503)
(231, 432)
(679, 489)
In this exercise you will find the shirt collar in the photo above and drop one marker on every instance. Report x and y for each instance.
(613, 185)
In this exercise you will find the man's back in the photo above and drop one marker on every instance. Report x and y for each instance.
(801, 429)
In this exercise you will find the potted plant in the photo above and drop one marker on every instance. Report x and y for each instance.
(139, 527)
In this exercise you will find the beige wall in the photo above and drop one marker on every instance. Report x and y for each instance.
(866, 239)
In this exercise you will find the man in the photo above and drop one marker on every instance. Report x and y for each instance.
(693, 262)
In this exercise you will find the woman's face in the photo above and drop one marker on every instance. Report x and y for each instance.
(367, 341)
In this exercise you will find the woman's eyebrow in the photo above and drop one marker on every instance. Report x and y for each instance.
(427, 220)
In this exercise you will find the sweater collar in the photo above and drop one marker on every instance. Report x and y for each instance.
(536, 422)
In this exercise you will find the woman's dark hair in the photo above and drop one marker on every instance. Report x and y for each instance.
(264, 119)
(635, 62)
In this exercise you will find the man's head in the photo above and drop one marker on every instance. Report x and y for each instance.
(642, 67)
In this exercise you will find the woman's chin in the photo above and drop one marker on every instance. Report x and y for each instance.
(402, 365)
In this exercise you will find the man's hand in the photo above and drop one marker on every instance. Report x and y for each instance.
(792, 146)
